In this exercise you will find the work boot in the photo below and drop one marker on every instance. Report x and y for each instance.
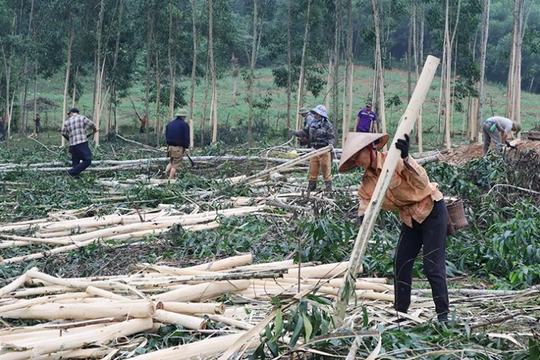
(312, 185)
(328, 187)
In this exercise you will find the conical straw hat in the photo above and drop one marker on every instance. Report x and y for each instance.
(355, 142)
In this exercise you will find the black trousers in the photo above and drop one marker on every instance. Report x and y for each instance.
(81, 158)
(431, 234)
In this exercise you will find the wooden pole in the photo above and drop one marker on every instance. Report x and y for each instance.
(370, 216)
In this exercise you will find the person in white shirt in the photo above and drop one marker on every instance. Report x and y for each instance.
(496, 129)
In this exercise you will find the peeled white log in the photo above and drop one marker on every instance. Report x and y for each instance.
(187, 321)
(201, 349)
(223, 264)
(232, 322)
(169, 270)
(68, 342)
(58, 250)
(21, 303)
(194, 308)
(321, 271)
(203, 291)
(10, 244)
(35, 274)
(360, 284)
(269, 266)
(44, 290)
(93, 353)
(92, 290)
(14, 284)
(83, 311)
(31, 335)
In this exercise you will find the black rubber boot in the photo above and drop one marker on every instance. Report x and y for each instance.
(312, 185)
(328, 187)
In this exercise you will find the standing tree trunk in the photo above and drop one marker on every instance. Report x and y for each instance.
(513, 106)
(149, 49)
(289, 63)
(300, 94)
(483, 53)
(68, 69)
(193, 72)
(35, 90)
(213, 103)
(205, 104)
(23, 115)
(158, 99)
(9, 102)
(348, 86)
(379, 66)
(235, 71)
(251, 79)
(447, 76)
(74, 92)
(172, 62)
(448, 41)
(335, 70)
(114, 95)
(100, 69)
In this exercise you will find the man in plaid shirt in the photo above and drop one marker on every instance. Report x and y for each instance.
(74, 130)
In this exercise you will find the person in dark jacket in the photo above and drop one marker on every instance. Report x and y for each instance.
(177, 136)
(320, 133)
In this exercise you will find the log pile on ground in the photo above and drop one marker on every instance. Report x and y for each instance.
(68, 235)
(108, 317)
(95, 317)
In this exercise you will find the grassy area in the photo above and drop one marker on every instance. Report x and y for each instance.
(273, 119)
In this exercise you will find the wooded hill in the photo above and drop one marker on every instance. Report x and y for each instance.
(311, 46)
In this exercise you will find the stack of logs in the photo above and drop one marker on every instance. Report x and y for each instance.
(61, 237)
(94, 317)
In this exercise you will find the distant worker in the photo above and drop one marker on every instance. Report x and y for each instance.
(308, 119)
(2, 128)
(497, 128)
(143, 121)
(177, 135)
(37, 121)
(366, 120)
(74, 130)
(320, 133)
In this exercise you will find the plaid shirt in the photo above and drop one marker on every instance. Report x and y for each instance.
(74, 129)
(409, 192)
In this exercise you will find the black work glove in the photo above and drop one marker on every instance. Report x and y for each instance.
(404, 146)
(359, 220)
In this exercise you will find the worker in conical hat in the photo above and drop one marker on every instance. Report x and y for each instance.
(421, 208)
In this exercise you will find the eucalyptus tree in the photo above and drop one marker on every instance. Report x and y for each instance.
(513, 86)
(224, 31)
(251, 78)
(9, 48)
(194, 35)
(484, 31)
(349, 73)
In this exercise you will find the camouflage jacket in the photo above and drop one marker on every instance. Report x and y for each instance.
(319, 133)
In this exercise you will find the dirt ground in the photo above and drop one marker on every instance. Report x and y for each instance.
(461, 155)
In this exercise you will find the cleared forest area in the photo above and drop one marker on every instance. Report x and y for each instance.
(235, 258)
